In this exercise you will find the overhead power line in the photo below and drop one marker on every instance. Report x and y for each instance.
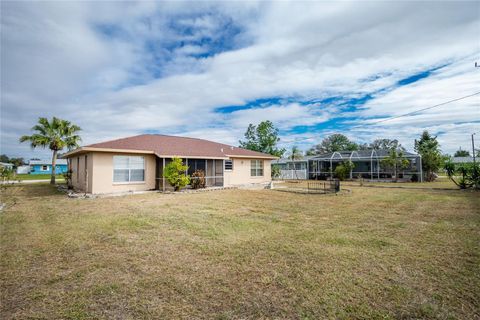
(403, 115)
(428, 108)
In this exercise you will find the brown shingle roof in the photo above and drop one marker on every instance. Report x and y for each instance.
(163, 145)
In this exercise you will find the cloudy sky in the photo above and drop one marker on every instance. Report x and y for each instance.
(207, 70)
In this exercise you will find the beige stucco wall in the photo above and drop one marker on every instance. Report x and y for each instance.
(97, 176)
(102, 174)
(81, 167)
(240, 175)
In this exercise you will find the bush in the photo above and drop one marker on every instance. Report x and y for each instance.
(198, 179)
(68, 178)
(341, 172)
(275, 171)
(465, 175)
(414, 178)
(6, 174)
(174, 172)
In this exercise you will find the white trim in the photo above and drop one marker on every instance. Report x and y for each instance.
(253, 157)
(133, 182)
(226, 156)
(257, 169)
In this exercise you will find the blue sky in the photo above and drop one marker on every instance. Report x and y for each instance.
(207, 69)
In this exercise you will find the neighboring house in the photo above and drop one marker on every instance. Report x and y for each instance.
(45, 167)
(23, 169)
(459, 160)
(136, 163)
(6, 165)
(367, 165)
(292, 169)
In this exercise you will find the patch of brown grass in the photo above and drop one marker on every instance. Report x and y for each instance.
(372, 253)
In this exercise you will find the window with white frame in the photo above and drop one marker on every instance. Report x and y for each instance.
(128, 169)
(228, 165)
(256, 168)
(44, 168)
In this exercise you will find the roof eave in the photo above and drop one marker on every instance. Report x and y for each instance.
(252, 157)
(82, 150)
(191, 157)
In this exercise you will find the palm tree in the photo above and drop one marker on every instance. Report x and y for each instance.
(295, 154)
(56, 134)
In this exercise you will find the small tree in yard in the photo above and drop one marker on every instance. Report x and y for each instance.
(343, 170)
(275, 171)
(6, 174)
(56, 134)
(465, 175)
(174, 172)
(396, 161)
(295, 154)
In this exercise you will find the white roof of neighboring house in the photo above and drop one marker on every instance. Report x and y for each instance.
(462, 159)
(47, 162)
(286, 160)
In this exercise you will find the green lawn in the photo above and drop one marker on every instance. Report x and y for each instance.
(439, 183)
(241, 254)
(36, 177)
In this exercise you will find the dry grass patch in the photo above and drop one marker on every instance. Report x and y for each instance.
(373, 253)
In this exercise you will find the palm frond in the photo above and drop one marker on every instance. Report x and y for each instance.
(55, 134)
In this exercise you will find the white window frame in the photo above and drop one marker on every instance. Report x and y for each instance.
(44, 168)
(225, 165)
(257, 165)
(129, 171)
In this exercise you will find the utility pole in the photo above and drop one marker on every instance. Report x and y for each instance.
(473, 148)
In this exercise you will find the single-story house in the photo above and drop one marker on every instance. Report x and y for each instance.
(23, 169)
(367, 164)
(136, 163)
(45, 166)
(292, 169)
(6, 165)
(460, 160)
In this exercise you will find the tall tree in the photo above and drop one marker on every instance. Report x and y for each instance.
(332, 143)
(56, 135)
(429, 148)
(262, 138)
(386, 144)
(461, 153)
(363, 146)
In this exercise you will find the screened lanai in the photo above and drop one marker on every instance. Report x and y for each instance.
(367, 164)
(213, 169)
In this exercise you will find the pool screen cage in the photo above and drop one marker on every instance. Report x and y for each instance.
(367, 165)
